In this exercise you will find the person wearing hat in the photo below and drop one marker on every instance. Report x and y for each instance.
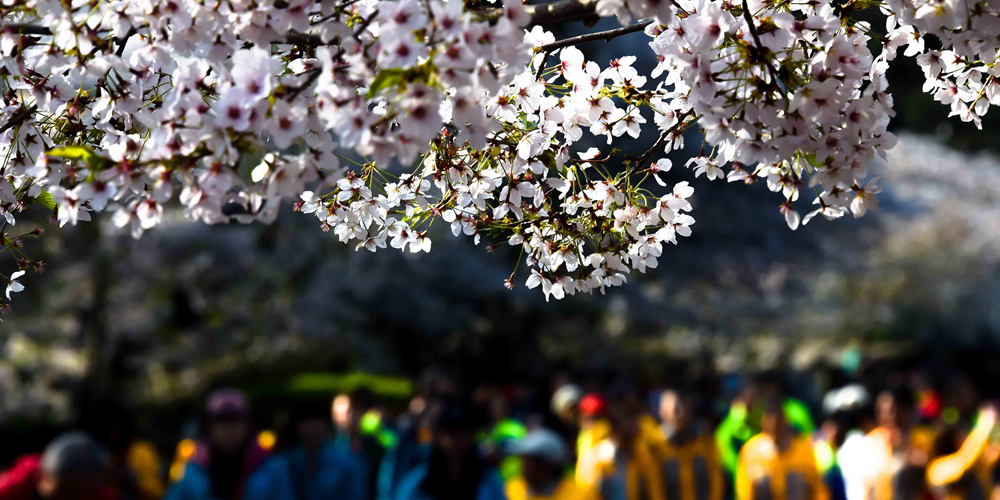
(594, 429)
(73, 466)
(624, 464)
(543, 470)
(227, 463)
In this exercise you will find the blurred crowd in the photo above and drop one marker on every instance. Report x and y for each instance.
(897, 437)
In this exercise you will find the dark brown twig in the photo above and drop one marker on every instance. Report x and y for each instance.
(607, 36)
(18, 118)
(659, 141)
(123, 41)
(541, 65)
(748, 17)
(26, 29)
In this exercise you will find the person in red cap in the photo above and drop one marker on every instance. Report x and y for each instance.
(228, 464)
(73, 466)
(593, 430)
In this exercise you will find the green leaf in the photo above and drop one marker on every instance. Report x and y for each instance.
(46, 199)
(71, 152)
(384, 79)
(84, 153)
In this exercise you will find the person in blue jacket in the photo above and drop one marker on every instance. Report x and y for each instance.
(311, 467)
(363, 453)
(455, 469)
(228, 464)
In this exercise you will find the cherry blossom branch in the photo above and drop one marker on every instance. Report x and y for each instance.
(748, 17)
(26, 29)
(541, 64)
(660, 140)
(607, 36)
(18, 118)
(316, 72)
(293, 37)
(123, 41)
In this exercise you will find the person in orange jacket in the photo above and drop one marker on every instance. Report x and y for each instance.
(777, 464)
(899, 450)
(624, 464)
(964, 463)
(686, 452)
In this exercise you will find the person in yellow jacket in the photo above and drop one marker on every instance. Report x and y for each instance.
(624, 464)
(543, 475)
(778, 465)
(686, 452)
(143, 461)
(594, 429)
(899, 451)
(963, 468)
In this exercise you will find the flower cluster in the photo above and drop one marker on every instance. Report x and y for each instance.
(784, 92)
(380, 117)
(963, 73)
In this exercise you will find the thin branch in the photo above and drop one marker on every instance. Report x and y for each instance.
(607, 36)
(364, 25)
(26, 29)
(123, 41)
(340, 51)
(748, 17)
(18, 118)
(541, 64)
(302, 39)
(659, 141)
(309, 81)
(293, 37)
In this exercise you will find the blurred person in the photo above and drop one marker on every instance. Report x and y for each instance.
(134, 463)
(594, 428)
(740, 424)
(362, 451)
(625, 465)
(455, 470)
(228, 463)
(899, 450)
(72, 467)
(501, 430)
(686, 451)
(842, 449)
(566, 403)
(964, 463)
(778, 463)
(310, 467)
(413, 431)
(735, 430)
(543, 470)
(826, 442)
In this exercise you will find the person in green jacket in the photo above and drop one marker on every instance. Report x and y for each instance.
(740, 425)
